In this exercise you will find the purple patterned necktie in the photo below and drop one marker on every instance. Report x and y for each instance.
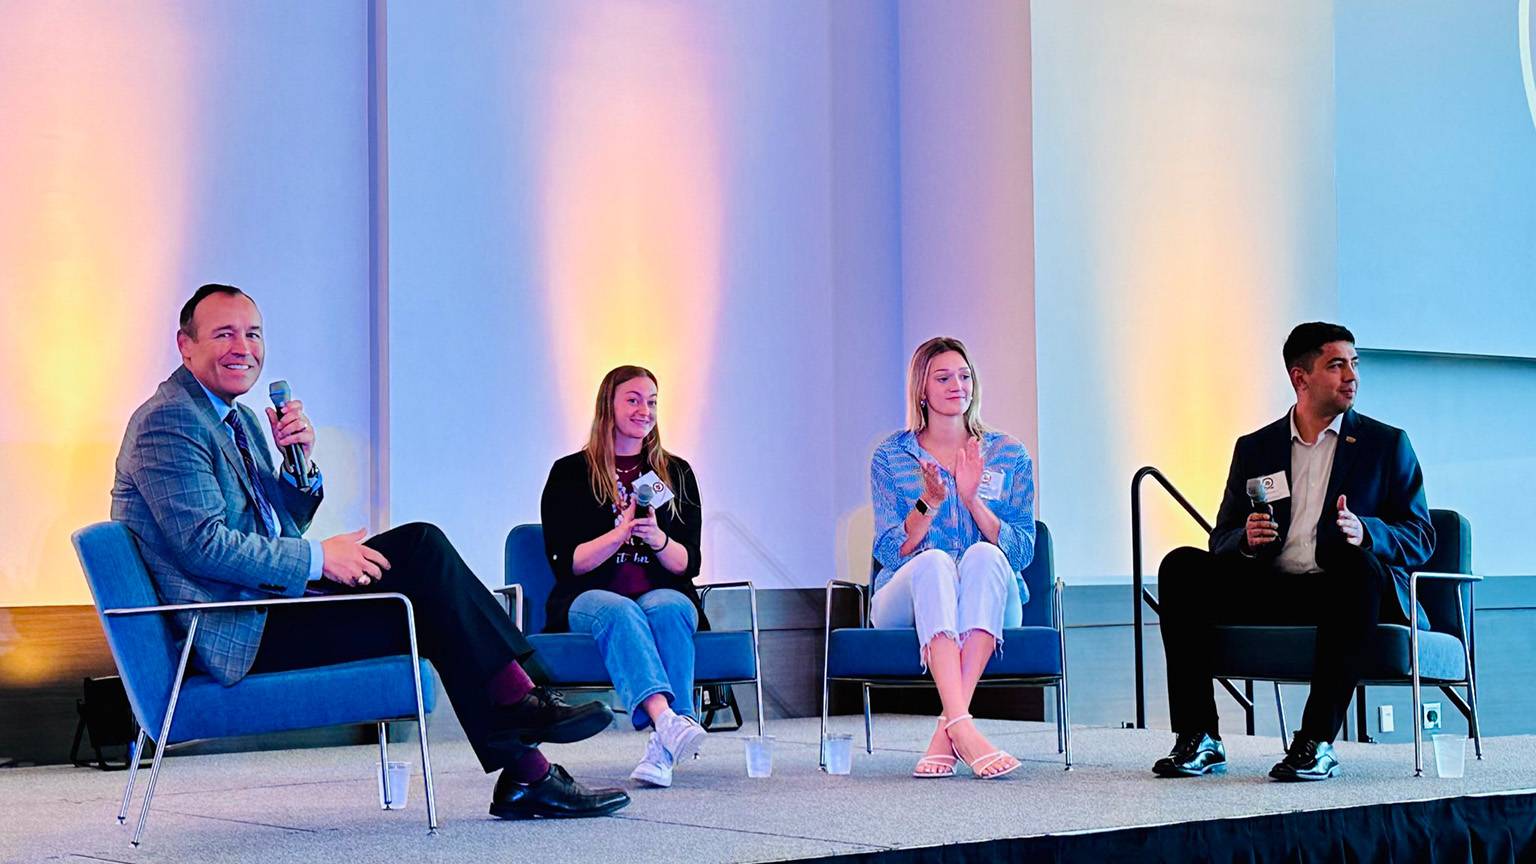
(268, 516)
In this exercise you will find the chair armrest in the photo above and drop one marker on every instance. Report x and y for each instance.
(516, 590)
(251, 604)
(833, 585)
(1058, 603)
(751, 600)
(1447, 577)
(199, 608)
(1413, 599)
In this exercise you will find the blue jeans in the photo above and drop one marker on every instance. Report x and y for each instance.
(647, 645)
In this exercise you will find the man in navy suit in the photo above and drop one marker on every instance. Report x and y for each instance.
(1348, 523)
(216, 520)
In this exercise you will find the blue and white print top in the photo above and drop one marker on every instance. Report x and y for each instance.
(896, 481)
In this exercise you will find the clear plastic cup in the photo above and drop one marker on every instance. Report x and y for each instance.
(394, 785)
(1450, 755)
(839, 753)
(760, 756)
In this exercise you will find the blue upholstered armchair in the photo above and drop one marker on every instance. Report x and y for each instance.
(185, 706)
(1443, 654)
(1036, 654)
(722, 656)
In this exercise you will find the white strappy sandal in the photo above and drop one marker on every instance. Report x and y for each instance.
(986, 760)
(944, 762)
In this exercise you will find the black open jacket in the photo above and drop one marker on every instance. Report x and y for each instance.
(572, 515)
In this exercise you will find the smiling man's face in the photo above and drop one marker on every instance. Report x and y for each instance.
(225, 349)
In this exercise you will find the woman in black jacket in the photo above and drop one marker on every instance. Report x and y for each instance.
(624, 572)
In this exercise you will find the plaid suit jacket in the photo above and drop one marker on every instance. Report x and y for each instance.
(183, 492)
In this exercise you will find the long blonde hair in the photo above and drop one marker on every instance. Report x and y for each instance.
(599, 449)
(917, 382)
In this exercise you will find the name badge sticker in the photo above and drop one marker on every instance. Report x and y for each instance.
(660, 494)
(1276, 487)
(991, 486)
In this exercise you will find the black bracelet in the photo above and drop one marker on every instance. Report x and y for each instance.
(664, 543)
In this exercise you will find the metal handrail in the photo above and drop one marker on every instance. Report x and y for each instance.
(721, 519)
(1140, 593)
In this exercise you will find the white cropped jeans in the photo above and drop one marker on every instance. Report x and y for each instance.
(935, 595)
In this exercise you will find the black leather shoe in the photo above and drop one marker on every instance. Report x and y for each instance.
(557, 796)
(1306, 760)
(1193, 754)
(542, 717)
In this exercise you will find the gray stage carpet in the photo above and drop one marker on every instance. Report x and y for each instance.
(321, 804)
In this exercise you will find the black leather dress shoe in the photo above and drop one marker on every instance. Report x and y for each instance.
(557, 796)
(1306, 760)
(1193, 754)
(542, 717)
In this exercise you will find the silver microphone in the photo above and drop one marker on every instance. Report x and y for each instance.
(293, 455)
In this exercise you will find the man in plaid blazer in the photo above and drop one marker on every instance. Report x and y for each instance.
(215, 519)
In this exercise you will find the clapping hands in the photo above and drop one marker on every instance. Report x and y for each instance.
(968, 468)
(934, 490)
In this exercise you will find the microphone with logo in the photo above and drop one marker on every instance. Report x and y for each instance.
(643, 495)
(1258, 498)
(294, 460)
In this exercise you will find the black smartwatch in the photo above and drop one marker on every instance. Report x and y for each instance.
(922, 507)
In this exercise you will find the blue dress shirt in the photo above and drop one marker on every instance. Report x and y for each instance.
(316, 552)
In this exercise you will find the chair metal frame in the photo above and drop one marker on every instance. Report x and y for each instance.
(1466, 611)
(1466, 705)
(514, 595)
(1468, 614)
(1058, 682)
(181, 668)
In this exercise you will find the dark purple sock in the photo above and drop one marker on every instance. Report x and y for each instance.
(527, 768)
(509, 685)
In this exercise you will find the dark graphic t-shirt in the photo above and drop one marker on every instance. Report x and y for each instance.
(632, 563)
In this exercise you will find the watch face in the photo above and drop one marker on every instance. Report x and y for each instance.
(922, 507)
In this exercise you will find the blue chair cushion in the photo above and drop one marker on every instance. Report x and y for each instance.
(873, 653)
(574, 661)
(1290, 653)
(363, 690)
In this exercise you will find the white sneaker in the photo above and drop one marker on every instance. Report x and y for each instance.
(655, 769)
(682, 736)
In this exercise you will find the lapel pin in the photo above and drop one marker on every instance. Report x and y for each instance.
(1349, 439)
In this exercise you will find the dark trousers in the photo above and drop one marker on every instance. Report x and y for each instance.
(1197, 590)
(460, 628)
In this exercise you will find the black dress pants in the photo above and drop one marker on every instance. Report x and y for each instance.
(460, 628)
(1197, 590)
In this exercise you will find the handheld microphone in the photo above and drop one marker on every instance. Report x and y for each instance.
(1258, 497)
(294, 459)
(643, 495)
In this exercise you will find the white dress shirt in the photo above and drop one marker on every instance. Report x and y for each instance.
(1310, 466)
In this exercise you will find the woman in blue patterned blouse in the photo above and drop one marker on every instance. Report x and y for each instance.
(954, 526)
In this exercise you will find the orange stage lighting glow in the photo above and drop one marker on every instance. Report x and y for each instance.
(89, 227)
(632, 207)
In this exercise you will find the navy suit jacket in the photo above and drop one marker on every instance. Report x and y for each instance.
(1373, 466)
